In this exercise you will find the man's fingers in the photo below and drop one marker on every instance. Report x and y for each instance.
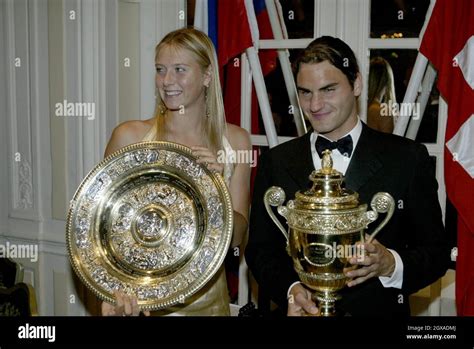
(360, 275)
(363, 260)
(362, 271)
(361, 279)
(294, 309)
(376, 261)
(299, 301)
(307, 304)
(371, 248)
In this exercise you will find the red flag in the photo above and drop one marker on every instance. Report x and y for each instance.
(234, 37)
(233, 31)
(449, 44)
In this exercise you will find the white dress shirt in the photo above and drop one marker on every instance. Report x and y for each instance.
(341, 163)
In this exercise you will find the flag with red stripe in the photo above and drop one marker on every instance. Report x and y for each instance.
(449, 44)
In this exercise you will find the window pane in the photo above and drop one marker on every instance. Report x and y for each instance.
(279, 101)
(298, 16)
(428, 130)
(397, 18)
(402, 62)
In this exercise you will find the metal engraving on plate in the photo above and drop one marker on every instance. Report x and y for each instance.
(150, 221)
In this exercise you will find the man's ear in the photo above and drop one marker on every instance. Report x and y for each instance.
(208, 76)
(358, 85)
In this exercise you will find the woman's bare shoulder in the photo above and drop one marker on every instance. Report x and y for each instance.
(134, 128)
(238, 137)
(127, 133)
(374, 108)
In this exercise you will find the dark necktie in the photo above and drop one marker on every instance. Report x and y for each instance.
(344, 145)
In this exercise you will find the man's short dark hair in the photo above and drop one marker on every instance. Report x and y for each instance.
(334, 50)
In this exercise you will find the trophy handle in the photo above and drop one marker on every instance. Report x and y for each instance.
(381, 203)
(275, 196)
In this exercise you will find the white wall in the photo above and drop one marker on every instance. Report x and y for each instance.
(69, 50)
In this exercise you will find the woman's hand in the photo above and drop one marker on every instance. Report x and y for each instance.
(206, 157)
(126, 306)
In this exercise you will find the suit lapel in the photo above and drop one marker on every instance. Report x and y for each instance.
(300, 162)
(365, 162)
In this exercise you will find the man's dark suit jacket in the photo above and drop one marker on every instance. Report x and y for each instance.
(381, 162)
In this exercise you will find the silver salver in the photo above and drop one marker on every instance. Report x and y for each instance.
(150, 221)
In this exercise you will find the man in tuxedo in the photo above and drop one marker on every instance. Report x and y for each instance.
(410, 253)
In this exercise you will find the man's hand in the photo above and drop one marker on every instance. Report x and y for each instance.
(300, 303)
(375, 261)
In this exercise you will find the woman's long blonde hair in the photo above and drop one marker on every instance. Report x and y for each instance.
(380, 77)
(202, 48)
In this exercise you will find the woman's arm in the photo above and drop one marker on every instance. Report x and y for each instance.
(239, 186)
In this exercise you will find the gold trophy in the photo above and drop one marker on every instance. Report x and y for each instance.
(325, 222)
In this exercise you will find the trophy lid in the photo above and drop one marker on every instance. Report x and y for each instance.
(327, 191)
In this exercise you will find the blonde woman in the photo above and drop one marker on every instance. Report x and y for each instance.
(381, 90)
(190, 111)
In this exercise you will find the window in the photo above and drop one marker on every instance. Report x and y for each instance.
(402, 62)
(397, 18)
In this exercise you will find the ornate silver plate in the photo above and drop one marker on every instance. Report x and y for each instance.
(148, 220)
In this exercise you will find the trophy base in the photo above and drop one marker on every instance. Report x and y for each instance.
(326, 302)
